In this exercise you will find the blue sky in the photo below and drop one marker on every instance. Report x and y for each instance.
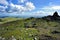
(29, 7)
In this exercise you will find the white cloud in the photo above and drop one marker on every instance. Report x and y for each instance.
(15, 8)
(22, 1)
(49, 10)
(30, 6)
(43, 13)
(2, 8)
(55, 7)
(20, 8)
(4, 2)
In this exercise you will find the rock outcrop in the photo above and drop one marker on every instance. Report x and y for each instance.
(55, 16)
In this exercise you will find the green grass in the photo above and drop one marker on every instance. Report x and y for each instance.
(15, 27)
(4, 20)
(23, 33)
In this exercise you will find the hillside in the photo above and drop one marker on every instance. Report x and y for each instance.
(45, 28)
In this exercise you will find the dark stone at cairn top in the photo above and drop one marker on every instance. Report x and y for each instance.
(55, 14)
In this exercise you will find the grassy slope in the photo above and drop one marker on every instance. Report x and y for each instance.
(15, 27)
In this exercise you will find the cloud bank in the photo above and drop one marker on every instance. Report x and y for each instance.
(10, 7)
(48, 10)
(3, 2)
